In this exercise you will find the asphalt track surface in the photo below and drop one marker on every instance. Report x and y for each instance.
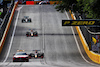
(57, 42)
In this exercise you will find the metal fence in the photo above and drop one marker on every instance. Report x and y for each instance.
(92, 38)
(87, 35)
(6, 19)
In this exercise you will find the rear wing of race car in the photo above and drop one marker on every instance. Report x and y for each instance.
(28, 50)
(26, 16)
(20, 50)
(31, 29)
(36, 50)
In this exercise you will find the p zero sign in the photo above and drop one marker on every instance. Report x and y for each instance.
(80, 22)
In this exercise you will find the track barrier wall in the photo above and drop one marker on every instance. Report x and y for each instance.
(37, 2)
(7, 27)
(93, 56)
(54, 2)
(29, 2)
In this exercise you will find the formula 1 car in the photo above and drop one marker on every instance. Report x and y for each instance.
(26, 19)
(44, 2)
(32, 33)
(20, 56)
(36, 54)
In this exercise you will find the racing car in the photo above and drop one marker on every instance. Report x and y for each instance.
(20, 56)
(26, 19)
(44, 2)
(31, 33)
(36, 54)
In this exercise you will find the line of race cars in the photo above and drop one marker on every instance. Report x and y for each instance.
(20, 55)
(30, 33)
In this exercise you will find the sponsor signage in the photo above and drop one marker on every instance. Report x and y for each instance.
(80, 22)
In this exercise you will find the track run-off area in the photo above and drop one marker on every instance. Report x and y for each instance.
(61, 45)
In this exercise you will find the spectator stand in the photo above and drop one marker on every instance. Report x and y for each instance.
(6, 18)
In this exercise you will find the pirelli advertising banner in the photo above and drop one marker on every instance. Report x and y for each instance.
(80, 22)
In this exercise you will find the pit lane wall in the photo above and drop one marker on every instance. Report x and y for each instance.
(7, 27)
(93, 56)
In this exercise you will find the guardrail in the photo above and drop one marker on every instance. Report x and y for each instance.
(93, 56)
(7, 27)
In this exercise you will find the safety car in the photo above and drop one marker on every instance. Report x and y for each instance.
(20, 55)
(36, 54)
(31, 33)
(26, 19)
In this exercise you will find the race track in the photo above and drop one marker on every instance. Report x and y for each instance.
(58, 43)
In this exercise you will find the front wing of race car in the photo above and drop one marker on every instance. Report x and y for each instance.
(20, 59)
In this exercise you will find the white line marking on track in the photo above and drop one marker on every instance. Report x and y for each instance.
(12, 37)
(18, 8)
(67, 15)
(77, 42)
(43, 33)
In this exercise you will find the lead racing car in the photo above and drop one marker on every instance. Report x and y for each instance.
(26, 19)
(36, 54)
(31, 33)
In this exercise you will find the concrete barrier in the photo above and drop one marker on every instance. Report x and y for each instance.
(29, 2)
(54, 2)
(51, 2)
(93, 56)
(36, 2)
(7, 27)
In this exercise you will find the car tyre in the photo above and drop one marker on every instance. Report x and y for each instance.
(27, 35)
(30, 20)
(23, 20)
(13, 61)
(27, 60)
